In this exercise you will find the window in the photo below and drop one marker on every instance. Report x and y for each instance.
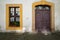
(14, 16)
(41, 7)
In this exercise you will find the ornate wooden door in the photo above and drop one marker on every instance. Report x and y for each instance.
(42, 18)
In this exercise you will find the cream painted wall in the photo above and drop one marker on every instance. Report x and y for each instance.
(27, 13)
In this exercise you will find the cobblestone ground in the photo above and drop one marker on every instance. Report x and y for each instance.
(27, 36)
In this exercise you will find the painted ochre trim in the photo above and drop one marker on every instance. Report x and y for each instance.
(52, 14)
(7, 17)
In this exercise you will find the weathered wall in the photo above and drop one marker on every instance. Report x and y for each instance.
(27, 13)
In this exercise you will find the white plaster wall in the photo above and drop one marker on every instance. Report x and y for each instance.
(27, 13)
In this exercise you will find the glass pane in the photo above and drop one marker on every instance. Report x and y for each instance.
(17, 23)
(12, 13)
(12, 9)
(12, 19)
(17, 9)
(17, 13)
(40, 7)
(17, 19)
(47, 8)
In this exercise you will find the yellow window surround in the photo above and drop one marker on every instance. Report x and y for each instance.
(7, 17)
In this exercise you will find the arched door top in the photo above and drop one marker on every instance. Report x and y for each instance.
(43, 2)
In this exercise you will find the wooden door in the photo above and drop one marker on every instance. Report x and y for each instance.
(42, 18)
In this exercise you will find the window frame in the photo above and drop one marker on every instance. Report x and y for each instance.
(7, 17)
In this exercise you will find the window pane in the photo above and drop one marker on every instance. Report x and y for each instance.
(17, 23)
(12, 19)
(40, 7)
(17, 13)
(12, 13)
(17, 19)
(12, 9)
(47, 8)
(17, 9)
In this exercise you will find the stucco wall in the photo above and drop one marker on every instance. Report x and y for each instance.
(27, 13)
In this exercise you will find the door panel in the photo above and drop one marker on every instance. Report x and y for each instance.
(42, 18)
